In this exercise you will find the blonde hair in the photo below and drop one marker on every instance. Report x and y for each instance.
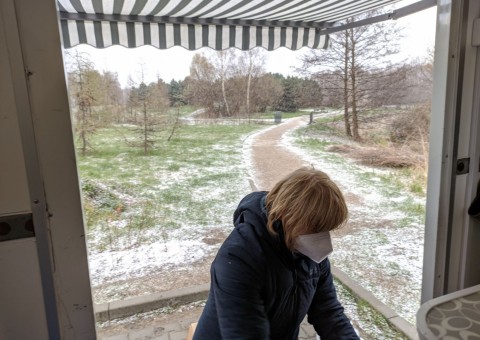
(307, 201)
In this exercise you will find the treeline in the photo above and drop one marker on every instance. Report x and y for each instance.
(234, 83)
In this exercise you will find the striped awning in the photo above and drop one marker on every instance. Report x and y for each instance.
(218, 24)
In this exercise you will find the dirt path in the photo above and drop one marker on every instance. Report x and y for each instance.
(271, 161)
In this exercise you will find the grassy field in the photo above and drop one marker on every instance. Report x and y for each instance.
(285, 115)
(191, 182)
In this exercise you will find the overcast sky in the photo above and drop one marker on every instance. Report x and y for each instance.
(174, 63)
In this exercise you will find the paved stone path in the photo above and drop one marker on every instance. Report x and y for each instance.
(178, 331)
(271, 162)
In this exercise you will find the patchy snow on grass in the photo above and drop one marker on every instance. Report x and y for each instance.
(384, 248)
(149, 214)
(109, 266)
(191, 199)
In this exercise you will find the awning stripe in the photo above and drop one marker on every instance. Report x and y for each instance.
(210, 8)
(176, 35)
(198, 37)
(115, 34)
(192, 37)
(119, 33)
(97, 6)
(258, 36)
(128, 7)
(97, 27)
(82, 36)
(261, 8)
(169, 35)
(341, 15)
(197, 6)
(169, 7)
(148, 8)
(90, 33)
(227, 8)
(147, 36)
(187, 38)
(117, 7)
(180, 7)
(162, 36)
(340, 11)
(304, 11)
(77, 5)
(66, 5)
(322, 10)
(138, 7)
(293, 9)
(158, 7)
(107, 34)
(294, 38)
(87, 6)
(65, 33)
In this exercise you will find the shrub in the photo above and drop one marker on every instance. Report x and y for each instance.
(411, 125)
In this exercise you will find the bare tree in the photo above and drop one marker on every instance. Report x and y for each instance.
(267, 91)
(83, 85)
(228, 83)
(152, 102)
(202, 88)
(353, 60)
(112, 94)
(223, 75)
(250, 66)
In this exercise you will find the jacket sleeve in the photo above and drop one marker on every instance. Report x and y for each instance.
(237, 284)
(326, 313)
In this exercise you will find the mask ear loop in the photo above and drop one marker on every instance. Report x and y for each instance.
(474, 209)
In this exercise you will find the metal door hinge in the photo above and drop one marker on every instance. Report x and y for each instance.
(463, 166)
(16, 226)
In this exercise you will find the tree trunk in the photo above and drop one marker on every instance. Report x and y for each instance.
(248, 94)
(175, 125)
(145, 125)
(83, 109)
(249, 81)
(346, 114)
(353, 73)
(223, 84)
(83, 133)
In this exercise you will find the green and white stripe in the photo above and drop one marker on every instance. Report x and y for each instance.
(218, 24)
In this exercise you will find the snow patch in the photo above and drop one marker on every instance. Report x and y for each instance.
(109, 266)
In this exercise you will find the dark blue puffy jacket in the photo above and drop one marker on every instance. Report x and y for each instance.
(260, 290)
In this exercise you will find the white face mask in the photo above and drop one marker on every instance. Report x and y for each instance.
(315, 246)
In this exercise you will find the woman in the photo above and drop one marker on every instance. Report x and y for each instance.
(273, 269)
